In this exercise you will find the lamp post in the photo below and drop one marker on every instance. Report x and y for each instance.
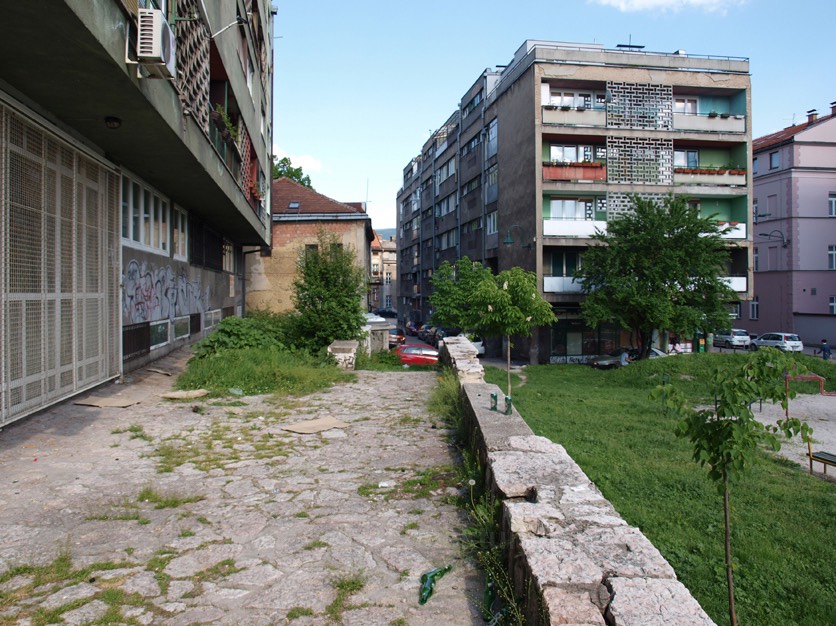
(509, 240)
(776, 234)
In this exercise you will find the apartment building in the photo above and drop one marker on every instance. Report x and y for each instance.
(548, 148)
(135, 143)
(383, 283)
(794, 247)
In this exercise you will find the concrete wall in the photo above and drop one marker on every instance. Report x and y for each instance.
(571, 557)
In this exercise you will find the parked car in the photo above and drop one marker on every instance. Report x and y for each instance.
(788, 342)
(387, 312)
(732, 338)
(424, 331)
(396, 337)
(411, 329)
(440, 333)
(413, 354)
(372, 318)
(478, 343)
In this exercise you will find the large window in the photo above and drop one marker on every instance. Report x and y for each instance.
(448, 239)
(565, 263)
(754, 308)
(576, 153)
(567, 209)
(145, 216)
(774, 160)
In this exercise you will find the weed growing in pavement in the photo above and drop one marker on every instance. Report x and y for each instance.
(313, 545)
(410, 526)
(299, 611)
(136, 431)
(165, 501)
(346, 586)
(157, 565)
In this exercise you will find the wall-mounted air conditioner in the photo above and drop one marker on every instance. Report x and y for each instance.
(155, 46)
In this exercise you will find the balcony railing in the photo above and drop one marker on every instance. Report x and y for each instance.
(738, 230)
(572, 228)
(554, 114)
(709, 176)
(713, 122)
(560, 284)
(737, 283)
(574, 171)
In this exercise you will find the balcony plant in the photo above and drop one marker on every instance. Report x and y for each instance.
(230, 128)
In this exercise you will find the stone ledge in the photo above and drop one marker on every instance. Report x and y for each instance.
(571, 556)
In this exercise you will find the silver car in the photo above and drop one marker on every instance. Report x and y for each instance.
(732, 338)
(788, 342)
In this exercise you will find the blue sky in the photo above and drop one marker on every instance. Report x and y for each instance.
(352, 105)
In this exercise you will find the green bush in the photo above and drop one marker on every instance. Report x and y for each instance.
(235, 333)
(260, 370)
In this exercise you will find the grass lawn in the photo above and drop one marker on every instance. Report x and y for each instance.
(783, 520)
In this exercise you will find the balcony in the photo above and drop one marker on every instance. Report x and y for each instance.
(572, 228)
(737, 283)
(553, 114)
(574, 171)
(738, 230)
(711, 123)
(561, 284)
(709, 176)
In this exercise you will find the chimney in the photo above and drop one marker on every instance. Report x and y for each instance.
(812, 115)
(833, 109)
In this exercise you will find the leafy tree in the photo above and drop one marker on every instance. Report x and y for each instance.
(283, 168)
(659, 267)
(726, 439)
(471, 297)
(328, 293)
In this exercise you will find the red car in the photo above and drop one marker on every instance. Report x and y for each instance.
(413, 354)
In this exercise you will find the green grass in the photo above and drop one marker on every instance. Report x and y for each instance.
(345, 586)
(260, 371)
(165, 501)
(782, 518)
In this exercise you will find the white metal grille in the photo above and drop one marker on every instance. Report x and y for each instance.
(59, 245)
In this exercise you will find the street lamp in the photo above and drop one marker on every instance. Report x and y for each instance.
(509, 241)
(776, 234)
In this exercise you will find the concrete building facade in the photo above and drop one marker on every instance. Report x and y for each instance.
(135, 143)
(545, 150)
(383, 285)
(794, 203)
(299, 214)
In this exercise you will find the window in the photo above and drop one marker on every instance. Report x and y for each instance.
(734, 311)
(831, 204)
(447, 205)
(446, 171)
(492, 139)
(491, 224)
(388, 278)
(565, 263)
(774, 160)
(755, 166)
(567, 209)
(388, 302)
(470, 106)
(375, 268)
(471, 185)
(685, 105)
(831, 257)
(755, 210)
(754, 308)
(471, 145)
(833, 305)
(229, 257)
(448, 239)
(755, 267)
(179, 234)
(145, 216)
(686, 158)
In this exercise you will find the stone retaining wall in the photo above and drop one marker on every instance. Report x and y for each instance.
(572, 558)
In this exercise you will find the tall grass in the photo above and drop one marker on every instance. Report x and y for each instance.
(783, 520)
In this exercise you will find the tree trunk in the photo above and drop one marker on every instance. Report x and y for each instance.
(508, 368)
(729, 572)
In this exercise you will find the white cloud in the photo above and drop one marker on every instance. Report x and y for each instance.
(306, 161)
(667, 5)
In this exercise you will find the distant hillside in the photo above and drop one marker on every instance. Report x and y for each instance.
(385, 233)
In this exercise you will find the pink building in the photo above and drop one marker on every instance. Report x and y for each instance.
(794, 232)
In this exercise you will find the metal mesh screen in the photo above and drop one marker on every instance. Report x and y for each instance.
(60, 250)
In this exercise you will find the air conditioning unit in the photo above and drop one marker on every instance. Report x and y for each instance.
(155, 46)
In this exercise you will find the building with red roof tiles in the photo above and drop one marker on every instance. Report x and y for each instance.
(298, 213)
(794, 208)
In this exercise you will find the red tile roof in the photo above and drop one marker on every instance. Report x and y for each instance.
(773, 139)
(286, 191)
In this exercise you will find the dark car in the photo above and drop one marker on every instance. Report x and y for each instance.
(425, 331)
(411, 329)
(440, 333)
(396, 337)
(417, 355)
(387, 312)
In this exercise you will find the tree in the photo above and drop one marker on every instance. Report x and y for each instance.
(726, 439)
(328, 292)
(283, 168)
(658, 267)
(471, 297)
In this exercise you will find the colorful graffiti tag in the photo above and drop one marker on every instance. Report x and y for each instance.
(151, 293)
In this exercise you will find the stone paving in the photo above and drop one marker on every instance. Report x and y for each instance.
(209, 512)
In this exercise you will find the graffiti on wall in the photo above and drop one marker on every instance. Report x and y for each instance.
(151, 293)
